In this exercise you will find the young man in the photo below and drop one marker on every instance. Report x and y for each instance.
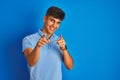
(45, 51)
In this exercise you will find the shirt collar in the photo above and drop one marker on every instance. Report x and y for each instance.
(41, 33)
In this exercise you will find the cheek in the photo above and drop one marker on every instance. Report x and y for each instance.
(49, 23)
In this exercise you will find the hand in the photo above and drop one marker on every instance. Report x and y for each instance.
(42, 41)
(61, 43)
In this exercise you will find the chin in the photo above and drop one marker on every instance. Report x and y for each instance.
(51, 32)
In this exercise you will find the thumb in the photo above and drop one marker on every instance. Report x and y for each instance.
(44, 36)
(60, 37)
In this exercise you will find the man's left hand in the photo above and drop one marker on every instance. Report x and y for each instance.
(61, 43)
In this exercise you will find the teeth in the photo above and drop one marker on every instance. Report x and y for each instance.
(52, 28)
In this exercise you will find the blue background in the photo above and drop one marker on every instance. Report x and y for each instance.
(91, 29)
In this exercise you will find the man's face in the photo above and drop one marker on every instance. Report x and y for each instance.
(51, 24)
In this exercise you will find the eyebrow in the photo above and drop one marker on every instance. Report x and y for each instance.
(54, 20)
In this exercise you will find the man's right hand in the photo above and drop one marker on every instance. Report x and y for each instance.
(32, 55)
(42, 41)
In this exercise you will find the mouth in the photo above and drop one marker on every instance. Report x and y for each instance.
(51, 28)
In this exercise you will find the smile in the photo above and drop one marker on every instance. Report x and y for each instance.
(51, 28)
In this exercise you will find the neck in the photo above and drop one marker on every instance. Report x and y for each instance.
(49, 35)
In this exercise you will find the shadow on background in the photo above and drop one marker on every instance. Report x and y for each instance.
(17, 20)
(15, 57)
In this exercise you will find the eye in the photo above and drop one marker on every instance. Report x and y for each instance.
(58, 23)
(52, 20)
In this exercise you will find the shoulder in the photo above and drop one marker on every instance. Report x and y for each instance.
(29, 41)
(31, 36)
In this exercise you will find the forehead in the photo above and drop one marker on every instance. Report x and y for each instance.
(56, 19)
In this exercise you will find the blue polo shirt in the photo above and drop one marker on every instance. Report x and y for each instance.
(49, 64)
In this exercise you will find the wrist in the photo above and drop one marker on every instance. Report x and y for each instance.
(64, 49)
(37, 46)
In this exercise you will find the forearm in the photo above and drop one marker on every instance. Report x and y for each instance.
(33, 57)
(68, 61)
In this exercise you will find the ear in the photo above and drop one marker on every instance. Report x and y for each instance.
(45, 18)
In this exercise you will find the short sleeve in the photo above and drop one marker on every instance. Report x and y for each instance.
(26, 43)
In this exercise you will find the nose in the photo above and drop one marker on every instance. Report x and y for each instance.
(54, 25)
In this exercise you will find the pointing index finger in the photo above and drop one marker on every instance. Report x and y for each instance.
(61, 37)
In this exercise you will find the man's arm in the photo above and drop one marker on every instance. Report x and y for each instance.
(32, 55)
(68, 61)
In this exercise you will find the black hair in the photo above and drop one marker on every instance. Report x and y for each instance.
(55, 12)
